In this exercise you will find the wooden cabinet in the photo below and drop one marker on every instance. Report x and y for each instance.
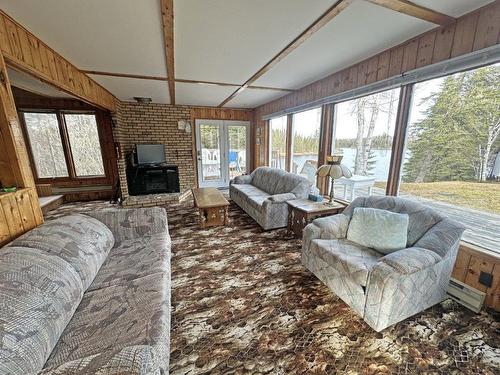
(19, 212)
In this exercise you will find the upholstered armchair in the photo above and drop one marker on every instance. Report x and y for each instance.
(384, 289)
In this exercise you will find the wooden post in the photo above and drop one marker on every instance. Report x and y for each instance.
(398, 144)
(19, 211)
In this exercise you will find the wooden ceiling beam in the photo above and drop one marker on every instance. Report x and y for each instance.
(167, 15)
(415, 10)
(326, 17)
(159, 78)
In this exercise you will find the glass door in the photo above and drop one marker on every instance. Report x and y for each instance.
(222, 151)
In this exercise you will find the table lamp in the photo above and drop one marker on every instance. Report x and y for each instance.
(334, 169)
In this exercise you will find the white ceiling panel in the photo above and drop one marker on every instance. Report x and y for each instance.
(124, 36)
(454, 8)
(360, 31)
(251, 98)
(29, 83)
(126, 88)
(229, 40)
(201, 94)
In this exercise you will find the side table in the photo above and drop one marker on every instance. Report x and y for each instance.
(302, 211)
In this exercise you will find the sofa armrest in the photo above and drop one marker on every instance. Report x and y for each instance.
(407, 261)
(281, 198)
(132, 360)
(405, 283)
(243, 179)
(329, 227)
(132, 223)
(443, 238)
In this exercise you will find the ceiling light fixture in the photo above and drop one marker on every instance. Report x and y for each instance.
(142, 99)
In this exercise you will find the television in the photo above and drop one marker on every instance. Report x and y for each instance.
(150, 154)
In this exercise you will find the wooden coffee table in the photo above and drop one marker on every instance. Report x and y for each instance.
(302, 211)
(212, 205)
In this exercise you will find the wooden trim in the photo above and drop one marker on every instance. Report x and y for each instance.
(289, 142)
(415, 10)
(399, 138)
(24, 51)
(403, 58)
(125, 75)
(326, 17)
(167, 15)
(326, 138)
(159, 78)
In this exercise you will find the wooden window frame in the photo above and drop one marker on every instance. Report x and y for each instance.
(66, 145)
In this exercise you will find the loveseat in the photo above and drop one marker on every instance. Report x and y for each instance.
(87, 294)
(263, 195)
(384, 289)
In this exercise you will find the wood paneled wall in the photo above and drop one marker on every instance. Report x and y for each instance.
(24, 51)
(471, 261)
(472, 32)
(19, 212)
(212, 113)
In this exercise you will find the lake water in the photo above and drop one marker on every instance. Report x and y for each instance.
(380, 171)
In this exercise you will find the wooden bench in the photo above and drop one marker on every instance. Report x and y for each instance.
(212, 205)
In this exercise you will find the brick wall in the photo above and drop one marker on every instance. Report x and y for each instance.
(156, 123)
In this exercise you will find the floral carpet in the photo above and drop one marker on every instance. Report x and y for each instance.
(242, 303)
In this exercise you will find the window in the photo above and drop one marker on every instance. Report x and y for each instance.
(277, 154)
(85, 147)
(64, 145)
(305, 143)
(46, 144)
(363, 134)
(452, 156)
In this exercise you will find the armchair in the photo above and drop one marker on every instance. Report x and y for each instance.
(384, 289)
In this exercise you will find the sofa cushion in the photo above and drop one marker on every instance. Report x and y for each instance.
(266, 178)
(39, 294)
(346, 257)
(134, 258)
(112, 318)
(292, 183)
(249, 190)
(382, 230)
(420, 217)
(80, 240)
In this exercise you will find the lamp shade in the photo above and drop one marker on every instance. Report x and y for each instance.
(333, 168)
(334, 171)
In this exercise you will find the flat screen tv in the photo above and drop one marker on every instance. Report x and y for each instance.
(150, 154)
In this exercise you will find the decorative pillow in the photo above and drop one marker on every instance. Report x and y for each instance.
(382, 230)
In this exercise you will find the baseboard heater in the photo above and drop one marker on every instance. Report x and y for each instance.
(466, 295)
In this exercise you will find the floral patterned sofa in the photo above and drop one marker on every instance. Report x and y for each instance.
(384, 289)
(263, 195)
(88, 294)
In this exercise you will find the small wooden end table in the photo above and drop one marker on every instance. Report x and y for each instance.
(302, 211)
(212, 205)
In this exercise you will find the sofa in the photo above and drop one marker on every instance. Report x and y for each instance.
(263, 195)
(87, 294)
(384, 289)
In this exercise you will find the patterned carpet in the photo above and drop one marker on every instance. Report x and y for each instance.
(243, 304)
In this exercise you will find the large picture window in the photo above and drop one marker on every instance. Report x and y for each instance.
(46, 144)
(306, 127)
(85, 147)
(64, 145)
(452, 158)
(363, 134)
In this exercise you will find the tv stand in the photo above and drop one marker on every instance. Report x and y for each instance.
(153, 179)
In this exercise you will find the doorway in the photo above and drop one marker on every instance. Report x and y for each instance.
(222, 149)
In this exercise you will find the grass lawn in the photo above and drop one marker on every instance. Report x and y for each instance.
(484, 196)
